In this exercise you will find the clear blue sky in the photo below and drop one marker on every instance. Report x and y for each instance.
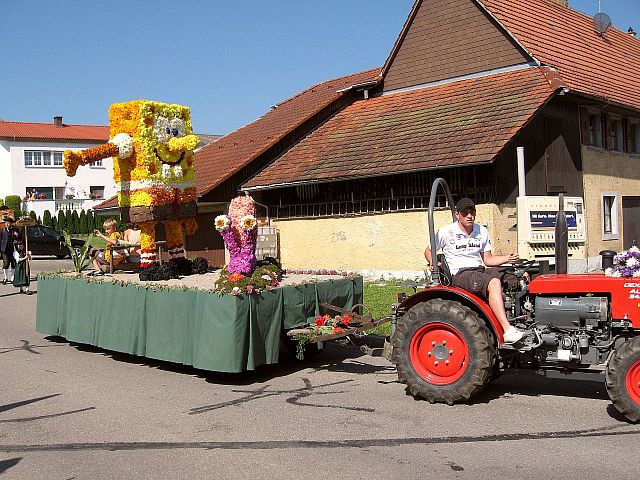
(229, 60)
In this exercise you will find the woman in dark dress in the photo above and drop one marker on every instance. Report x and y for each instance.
(21, 274)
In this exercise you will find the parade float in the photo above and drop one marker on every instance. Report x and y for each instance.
(225, 321)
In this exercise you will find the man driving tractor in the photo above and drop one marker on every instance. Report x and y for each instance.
(467, 250)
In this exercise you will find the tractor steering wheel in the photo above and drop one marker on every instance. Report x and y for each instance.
(523, 265)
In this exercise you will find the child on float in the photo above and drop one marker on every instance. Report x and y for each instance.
(113, 238)
(130, 237)
(21, 274)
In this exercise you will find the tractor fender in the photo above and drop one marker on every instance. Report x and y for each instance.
(466, 298)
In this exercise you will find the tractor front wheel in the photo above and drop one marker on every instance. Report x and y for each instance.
(443, 351)
(623, 379)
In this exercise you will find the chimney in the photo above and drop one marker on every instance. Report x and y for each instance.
(564, 3)
(57, 121)
(631, 32)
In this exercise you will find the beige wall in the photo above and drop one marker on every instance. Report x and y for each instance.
(387, 241)
(606, 172)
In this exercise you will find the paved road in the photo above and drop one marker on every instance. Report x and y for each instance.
(71, 411)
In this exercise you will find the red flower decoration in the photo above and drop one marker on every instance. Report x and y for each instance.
(236, 277)
(320, 321)
(346, 320)
(338, 330)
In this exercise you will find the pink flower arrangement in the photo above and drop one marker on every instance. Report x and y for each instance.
(240, 234)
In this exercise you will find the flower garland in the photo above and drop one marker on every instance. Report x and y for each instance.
(322, 325)
(265, 278)
(625, 264)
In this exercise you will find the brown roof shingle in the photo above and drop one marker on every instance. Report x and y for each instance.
(48, 131)
(220, 160)
(563, 38)
(462, 122)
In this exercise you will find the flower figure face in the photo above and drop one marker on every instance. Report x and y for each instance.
(248, 222)
(222, 222)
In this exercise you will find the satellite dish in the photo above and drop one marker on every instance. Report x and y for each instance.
(602, 23)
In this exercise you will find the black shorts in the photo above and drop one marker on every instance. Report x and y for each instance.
(476, 280)
(7, 259)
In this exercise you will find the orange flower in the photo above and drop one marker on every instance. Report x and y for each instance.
(338, 330)
(346, 320)
(320, 321)
(236, 277)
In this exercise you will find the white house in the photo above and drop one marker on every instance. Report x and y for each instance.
(31, 162)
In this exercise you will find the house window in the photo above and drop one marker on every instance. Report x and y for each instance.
(39, 193)
(634, 136)
(42, 158)
(96, 192)
(615, 135)
(594, 124)
(609, 216)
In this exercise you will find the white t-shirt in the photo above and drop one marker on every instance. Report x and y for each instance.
(462, 250)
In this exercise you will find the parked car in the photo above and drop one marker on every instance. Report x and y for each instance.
(46, 241)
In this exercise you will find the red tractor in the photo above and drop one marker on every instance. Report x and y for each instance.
(447, 343)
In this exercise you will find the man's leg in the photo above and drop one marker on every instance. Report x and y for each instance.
(494, 294)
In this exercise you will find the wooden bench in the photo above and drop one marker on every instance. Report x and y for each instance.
(135, 266)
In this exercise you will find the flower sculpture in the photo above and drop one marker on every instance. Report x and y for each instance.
(240, 234)
(152, 147)
(625, 264)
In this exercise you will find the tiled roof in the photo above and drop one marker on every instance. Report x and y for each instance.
(109, 203)
(220, 160)
(48, 131)
(462, 122)
(558, 36)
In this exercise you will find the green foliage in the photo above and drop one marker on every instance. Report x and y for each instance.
(80, 260)
(91, 222)
(378, 298)
(13, 202)
(33, 215)
(68, 222)
(83, 227)
(46, 219)
(39, 220)
(75, 222)
(61, 224)
(54, 223)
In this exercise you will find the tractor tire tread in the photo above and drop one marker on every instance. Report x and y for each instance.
(476, 376)
(615, 379)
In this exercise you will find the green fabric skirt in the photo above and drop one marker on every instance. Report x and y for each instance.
(192, 327)
(20, 275)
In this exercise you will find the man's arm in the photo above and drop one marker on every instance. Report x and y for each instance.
(491, 260)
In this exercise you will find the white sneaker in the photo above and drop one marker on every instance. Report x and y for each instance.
(512, 335)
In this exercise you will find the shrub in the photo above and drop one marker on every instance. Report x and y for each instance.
(61, 224)
(13, 202)
(33, 215)
(91, 222)
(46, 219)
(83, 225)
(75, 222)
(68, 222)
(156, 272)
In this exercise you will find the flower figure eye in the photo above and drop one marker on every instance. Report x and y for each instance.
(174, 132)
(168, 130)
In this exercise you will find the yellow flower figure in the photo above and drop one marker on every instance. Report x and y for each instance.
(152, 147)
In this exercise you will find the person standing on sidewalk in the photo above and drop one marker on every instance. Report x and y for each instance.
(21, 276)
(7, 236)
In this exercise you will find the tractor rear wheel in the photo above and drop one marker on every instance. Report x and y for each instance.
(623, 379)
(443, 351)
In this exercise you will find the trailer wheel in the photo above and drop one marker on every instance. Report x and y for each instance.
(623, 379)
(443, 351)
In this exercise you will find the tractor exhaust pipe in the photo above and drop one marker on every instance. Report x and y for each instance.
(561, 237)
